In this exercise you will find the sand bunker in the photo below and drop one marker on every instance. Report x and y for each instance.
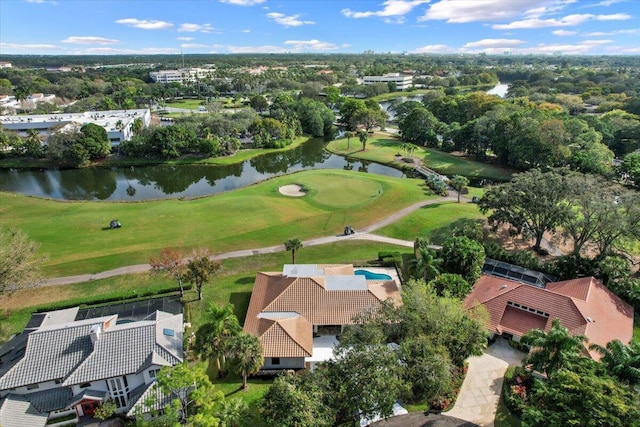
(292, 190)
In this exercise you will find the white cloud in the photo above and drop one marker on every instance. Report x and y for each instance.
(462, 11)
(246, 30)
(606, 3)
(564, 33)
(434, 48)
(567, 21)
(145, 24)
(192, 45)
(394, 20)
(391, 8)
(55, 3)
(252, 49)
(192, 28)
(116, 51)
(497, 43)
(614, 17)
(596, 42)
(611, 33)
(243, 2)
(89, 40)
(310, 45)
(184, 39)
(28, 46)
(287, 21)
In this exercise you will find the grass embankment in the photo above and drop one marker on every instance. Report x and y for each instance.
(384, 149)
(433, 222)
(238, 157)
(77, 240)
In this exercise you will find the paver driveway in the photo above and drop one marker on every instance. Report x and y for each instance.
(480, 392)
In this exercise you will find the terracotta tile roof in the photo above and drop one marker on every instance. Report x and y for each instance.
(283, 310)
(584, 306)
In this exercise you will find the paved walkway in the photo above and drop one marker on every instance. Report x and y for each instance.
(480, 393)
(419, 419)
(363, 234)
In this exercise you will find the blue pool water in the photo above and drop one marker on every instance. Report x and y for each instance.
(372, 276)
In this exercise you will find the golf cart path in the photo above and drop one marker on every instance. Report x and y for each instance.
(364, 234)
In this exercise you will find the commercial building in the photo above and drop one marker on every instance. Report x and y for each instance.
(117, 123)
(182, 75)
(402, 81)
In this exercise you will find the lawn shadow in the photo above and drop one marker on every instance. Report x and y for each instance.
(240, 301)
(245, 280)
(439, 235)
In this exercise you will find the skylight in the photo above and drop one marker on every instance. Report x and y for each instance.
(168, 332)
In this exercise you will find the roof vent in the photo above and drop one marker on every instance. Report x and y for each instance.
(503, 287)
(589, 319)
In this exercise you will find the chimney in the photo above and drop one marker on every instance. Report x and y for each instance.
(95, 333)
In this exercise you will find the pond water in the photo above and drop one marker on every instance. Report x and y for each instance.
(175, 181)
(500, 89)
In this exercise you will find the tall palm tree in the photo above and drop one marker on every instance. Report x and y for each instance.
(622, 361)
(293, 245)
(33, 143)
(246, 352)
(363, 135)
(425, 265)
(552, 350)
(348, 135)
(212, 337)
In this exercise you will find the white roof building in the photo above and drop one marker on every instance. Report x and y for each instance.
(402, 81)
(117, 123)
(181, 75)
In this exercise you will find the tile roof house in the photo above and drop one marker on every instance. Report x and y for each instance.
(59, 366)
(287, 308)
(584, 306)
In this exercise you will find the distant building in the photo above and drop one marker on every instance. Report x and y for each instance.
(402, 82)
(117, 123)
(5, 65)
(8, 102)
(34, 99)
(182, 75)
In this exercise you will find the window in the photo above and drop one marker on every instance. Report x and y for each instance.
(58, 381)
(119, 388)
(85, 385)
(168, 332)
(153, 373)
(275, 360)
(32, 386)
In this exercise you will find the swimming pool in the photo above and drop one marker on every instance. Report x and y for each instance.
(372, 276)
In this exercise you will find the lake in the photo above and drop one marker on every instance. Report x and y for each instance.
(176, 181)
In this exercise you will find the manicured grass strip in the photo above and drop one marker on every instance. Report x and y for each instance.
(233, 284)
(383, 149)
(434, 222)
(189, 104)
(73, 234)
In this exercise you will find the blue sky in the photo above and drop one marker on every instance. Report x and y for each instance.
(320, 26)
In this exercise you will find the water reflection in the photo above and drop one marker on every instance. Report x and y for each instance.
(172, 181)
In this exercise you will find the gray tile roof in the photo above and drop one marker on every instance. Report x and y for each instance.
(148, 398)
(16, 411)
(65, 351)
(125, 349)
(86, 394)
(49, 355)
(50, 400)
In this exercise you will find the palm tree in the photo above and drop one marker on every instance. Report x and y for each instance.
(348, 135)
(622, 361)
(425, 265)
(293, 245)
(213, 335)
(246, 352)
(552, 350)
(459, 182)
(363, 135)
(33, 143)
(234, 413)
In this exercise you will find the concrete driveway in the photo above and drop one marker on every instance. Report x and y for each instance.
(419, 419)
(480, 393)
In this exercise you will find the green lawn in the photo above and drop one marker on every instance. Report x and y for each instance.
(433, 221)
(189, 104)
(383, 149)
(73, 234)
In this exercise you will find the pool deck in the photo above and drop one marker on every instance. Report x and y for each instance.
(390, 271)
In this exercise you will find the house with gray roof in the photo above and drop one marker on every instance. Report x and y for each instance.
(59, 366)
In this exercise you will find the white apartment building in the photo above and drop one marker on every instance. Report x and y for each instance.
(402, 82)
(5, 65)
(8, 102)
(117, 123)
(181, 75)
